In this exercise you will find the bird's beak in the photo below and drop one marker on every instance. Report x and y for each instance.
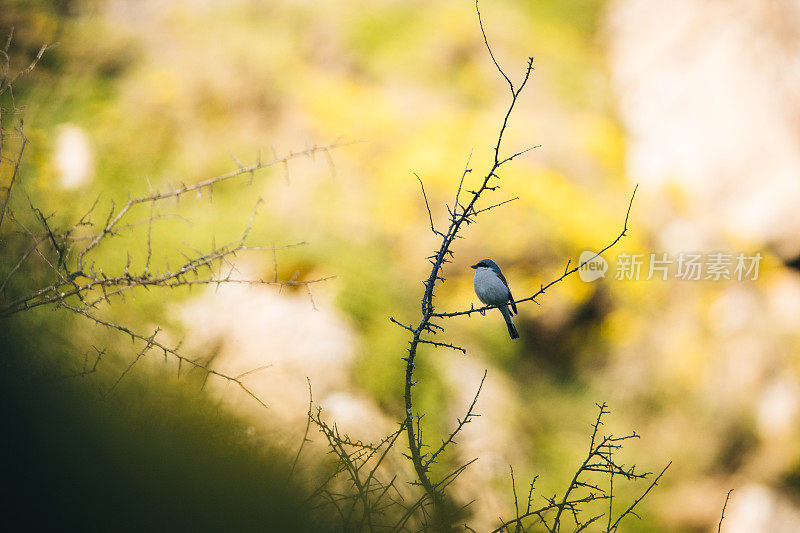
(474, 266)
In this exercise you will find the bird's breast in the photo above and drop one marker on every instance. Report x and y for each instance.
(490, 289)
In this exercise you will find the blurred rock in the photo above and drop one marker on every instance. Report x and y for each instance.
(777, 410)
(73, 156)
(759, 509)
(707, 92)
(242, 328)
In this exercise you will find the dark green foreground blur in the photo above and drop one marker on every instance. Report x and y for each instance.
(151, 456)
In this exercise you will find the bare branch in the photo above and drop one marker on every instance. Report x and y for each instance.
(461, 423)
(582, 489)
(724, 506)
(308, 426)
(489, 48)
(14, 173)
(443, 345)
(466, 171)
(151, 342)
(495, 205)
(567, 272)
(427, 206)
(518, 526)
(460, 215)
(7, 85)
(113, 219)
(360, 503)
(21, 260)
(628, 511)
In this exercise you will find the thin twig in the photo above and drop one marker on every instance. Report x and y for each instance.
(628, 511)
(308, 426)
(427, 206)
(724, 506)
(461, 423)
(489, 48)
(153, 342)
(14, 174)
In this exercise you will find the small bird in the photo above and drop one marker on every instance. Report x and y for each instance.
(492, 289)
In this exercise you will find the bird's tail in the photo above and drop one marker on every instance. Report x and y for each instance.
(507, 316)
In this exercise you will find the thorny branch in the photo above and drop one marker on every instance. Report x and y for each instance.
(463, 212)
(71, 277)
(567, 272)
(362, 500)
(6, 84)
(583, 489)
(459, 426)
(151, 342)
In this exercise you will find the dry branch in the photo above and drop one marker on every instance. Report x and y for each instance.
(584, 489)
(722, 515)
(464, 211)
(70, 278)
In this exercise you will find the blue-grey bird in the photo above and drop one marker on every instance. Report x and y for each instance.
(492, 289)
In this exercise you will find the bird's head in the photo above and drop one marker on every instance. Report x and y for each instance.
(486, 263)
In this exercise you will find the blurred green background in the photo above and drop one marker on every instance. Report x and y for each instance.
(152, 94)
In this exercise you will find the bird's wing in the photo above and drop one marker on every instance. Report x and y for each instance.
(510, 298)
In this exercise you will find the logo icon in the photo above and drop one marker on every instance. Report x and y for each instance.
(592, 266)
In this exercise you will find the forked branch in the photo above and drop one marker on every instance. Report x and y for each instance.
(68, 278)
(585, 488)
(464, 211)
